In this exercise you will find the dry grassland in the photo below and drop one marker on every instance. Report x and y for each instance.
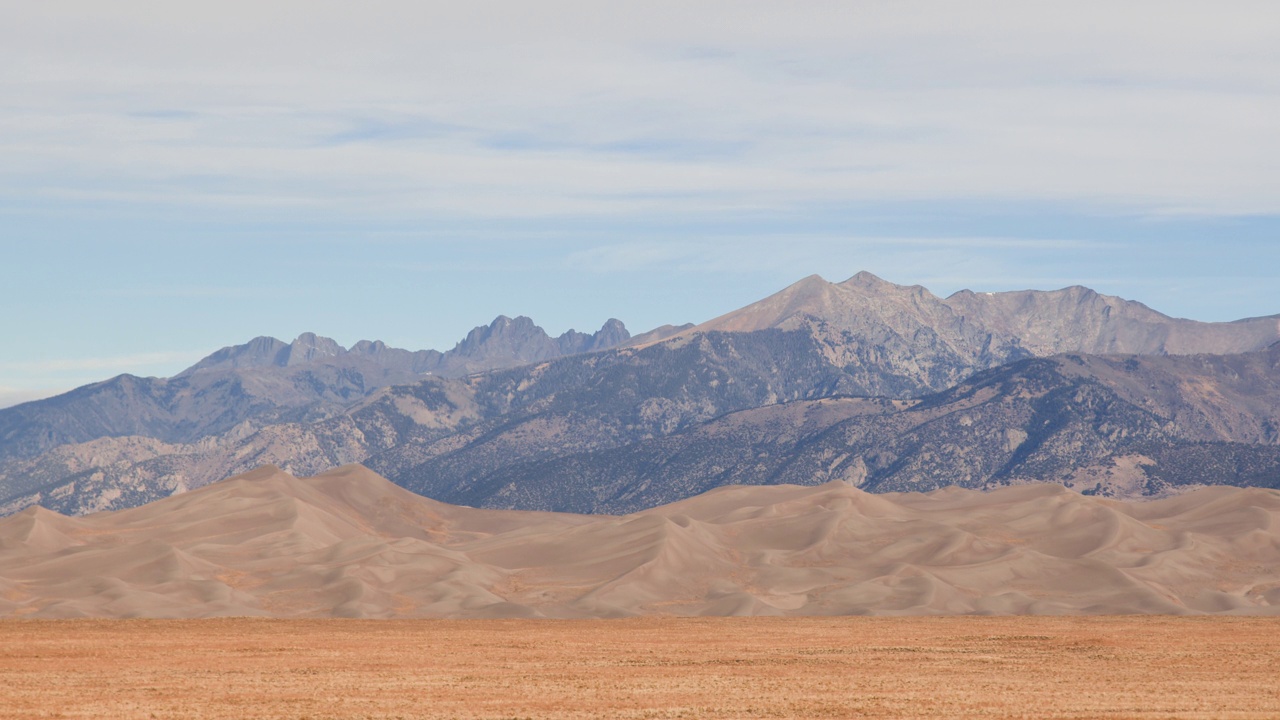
(1032, 667)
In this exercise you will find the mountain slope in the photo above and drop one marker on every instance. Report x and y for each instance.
(1117, 425)
(348, 543)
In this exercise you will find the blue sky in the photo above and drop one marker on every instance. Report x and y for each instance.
(176, 179)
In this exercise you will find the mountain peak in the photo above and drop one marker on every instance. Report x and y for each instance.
(505, 329)
(259, 352)
(309, 347)
(984, 328)
(865, 279)
(266, 351)
(611, 334)
(369, 347)
(869, 284)
(514, 341)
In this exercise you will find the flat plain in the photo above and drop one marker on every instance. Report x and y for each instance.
(846, 667)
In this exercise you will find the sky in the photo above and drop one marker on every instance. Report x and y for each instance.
(178, 177)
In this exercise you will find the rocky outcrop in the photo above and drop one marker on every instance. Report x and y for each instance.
(508, 342)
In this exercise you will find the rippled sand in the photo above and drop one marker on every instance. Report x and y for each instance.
(349, 543)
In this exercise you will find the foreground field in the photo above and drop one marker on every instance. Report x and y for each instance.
(1113, 667)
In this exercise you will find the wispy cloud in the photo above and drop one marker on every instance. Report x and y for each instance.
(630, 257)
(389, 129)
(457, 110)
(413, 168)
(762, 252)
(194, 292)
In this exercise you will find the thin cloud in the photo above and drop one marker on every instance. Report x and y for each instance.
(194, 291)
(16, 396)
(760, 252)
(630, 257)
(116, 363)
(503, 110)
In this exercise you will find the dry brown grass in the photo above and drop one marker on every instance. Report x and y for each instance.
(1033, 667)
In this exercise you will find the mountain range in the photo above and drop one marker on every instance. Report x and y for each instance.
(269, 381)
(888, 387)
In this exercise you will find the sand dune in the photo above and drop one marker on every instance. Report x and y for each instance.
(350, 543)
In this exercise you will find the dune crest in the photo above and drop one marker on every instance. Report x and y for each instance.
(350, 543)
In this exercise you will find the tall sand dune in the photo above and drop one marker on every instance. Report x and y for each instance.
(349, 543)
